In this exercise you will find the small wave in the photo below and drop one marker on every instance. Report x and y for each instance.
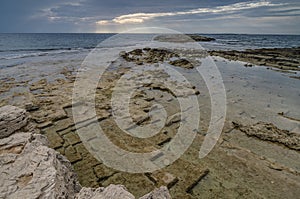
(45, 49)
(11, 65)
(38, 54)
(23, 56)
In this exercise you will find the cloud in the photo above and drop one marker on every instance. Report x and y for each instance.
(67, 11)
(142, 17)
(240, 16)
(103, 22)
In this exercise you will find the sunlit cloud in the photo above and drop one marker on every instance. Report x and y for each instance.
(142, 17)
(103, 22)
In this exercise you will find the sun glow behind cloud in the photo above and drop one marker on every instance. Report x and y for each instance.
(136, 18)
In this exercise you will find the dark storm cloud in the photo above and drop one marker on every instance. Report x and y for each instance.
(261, 16)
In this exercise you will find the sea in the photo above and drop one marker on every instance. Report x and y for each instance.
(18, 48)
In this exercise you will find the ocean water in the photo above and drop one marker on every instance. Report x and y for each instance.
(17, 49)
(245, 41)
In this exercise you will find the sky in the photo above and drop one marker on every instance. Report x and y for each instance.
(188, 16)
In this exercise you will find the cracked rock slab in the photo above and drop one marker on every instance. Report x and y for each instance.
(30, 169)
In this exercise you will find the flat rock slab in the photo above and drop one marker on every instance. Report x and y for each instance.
(30, 169)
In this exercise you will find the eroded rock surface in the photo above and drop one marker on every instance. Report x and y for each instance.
(11, 119)
(30, 169)
(281, 58)
(239, 166)
(161, 193)
(269, 132)
(158, 55)
(112, 191)
(119, 191)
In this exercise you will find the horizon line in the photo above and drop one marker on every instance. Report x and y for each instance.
(225, 33)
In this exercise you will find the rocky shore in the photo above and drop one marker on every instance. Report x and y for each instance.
(250, 160)
(280, 58)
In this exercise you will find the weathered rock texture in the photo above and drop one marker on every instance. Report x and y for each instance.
(12, 119)
(240, 166)
(112, 191)
(30, 169)
(119, 191)
(162, 193)
(281, 58)
(54, 118)
(160, 55)
(269, 132)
